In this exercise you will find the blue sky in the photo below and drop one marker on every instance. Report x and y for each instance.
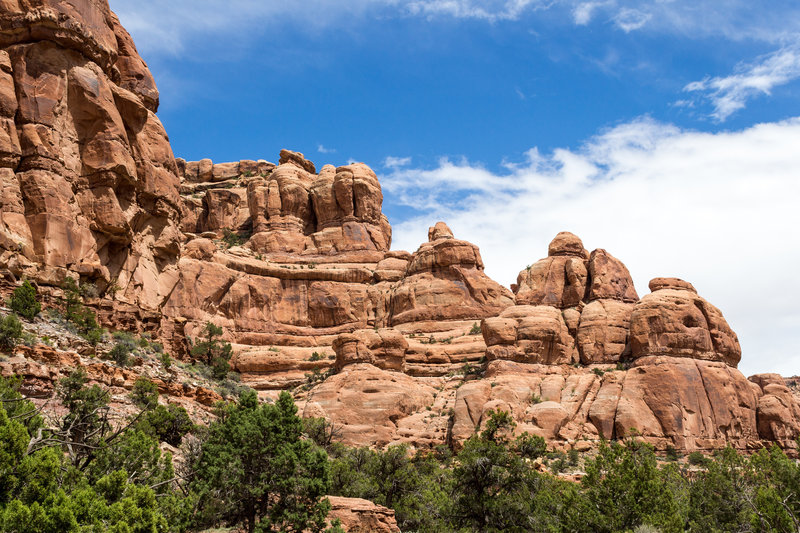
(661, 130)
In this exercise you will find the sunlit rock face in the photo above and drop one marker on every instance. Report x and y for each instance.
(89, 182)
(295, 263)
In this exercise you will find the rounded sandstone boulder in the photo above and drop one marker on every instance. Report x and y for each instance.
(673, 320)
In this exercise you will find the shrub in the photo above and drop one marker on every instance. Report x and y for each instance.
(598, 372)
(558, 462)
(213, 352)
(671, 453)
(144, 394)
(121, 352)
(697, 459)
(83, 318)
(499, 426)
(23, 302)
(166, 360)
(530, 446)
(10, 331)
(476, 329)
(535, 398)
(572, 457)
(232, 238)
(316, 356)
(168, 423)
(318, 376)
(322, 431)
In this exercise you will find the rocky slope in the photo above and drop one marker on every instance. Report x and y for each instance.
(296, 265)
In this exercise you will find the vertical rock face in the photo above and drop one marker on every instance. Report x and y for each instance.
(89, 181)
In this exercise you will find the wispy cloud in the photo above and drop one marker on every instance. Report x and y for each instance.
(167, 27)
(729, 94)
(396, 162)
(324, 150)
(628, 19)
(491, 11)
(583, 12)
(710, 208)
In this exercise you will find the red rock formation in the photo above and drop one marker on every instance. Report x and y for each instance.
(362, 516)
(89, 186)
(89, 179)
(444, 280)
(673, 320)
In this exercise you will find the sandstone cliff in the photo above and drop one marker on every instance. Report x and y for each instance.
(89, 181)
(296, 265)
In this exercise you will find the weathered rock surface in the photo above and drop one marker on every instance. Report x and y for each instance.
(444, 280)
(89, 182)
(294, 263)
(362, 516)
(673, 320)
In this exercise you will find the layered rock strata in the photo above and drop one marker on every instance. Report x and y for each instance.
(296, 265)
(89, 182)
(579, 359)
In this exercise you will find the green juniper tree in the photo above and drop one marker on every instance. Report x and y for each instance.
(24, 302)
(213, 351)
(254, 468)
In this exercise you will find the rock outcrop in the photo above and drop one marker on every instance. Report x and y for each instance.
(295, 264)
(89, 182)
(362, 516)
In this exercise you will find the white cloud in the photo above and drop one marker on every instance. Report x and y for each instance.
(169, 27)
(166, 27)
(323, 150)
(396, 162)
(629, 20)
(719, 210)
(730, 93)
(492, 10)
(583, 12)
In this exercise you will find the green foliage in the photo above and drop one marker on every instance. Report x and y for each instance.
(144, 394)
(17, 408)
(168, 423)
(499, 426)
(121, 353)
(475, 330)
(697, 459)
(598, 372)
(321, 431)
(495, 489)
(212, 351)
(624, 488)
(530, 446)
(671, 453)
(166, 360)
(82, 318)
(316, 356)
(10, 331)
(40, 491)
(558, 462)
(413, 486)
(255, 469)
(232, 238)
(23, 301)
(261, 466)
(86, 425)
(317, 376)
